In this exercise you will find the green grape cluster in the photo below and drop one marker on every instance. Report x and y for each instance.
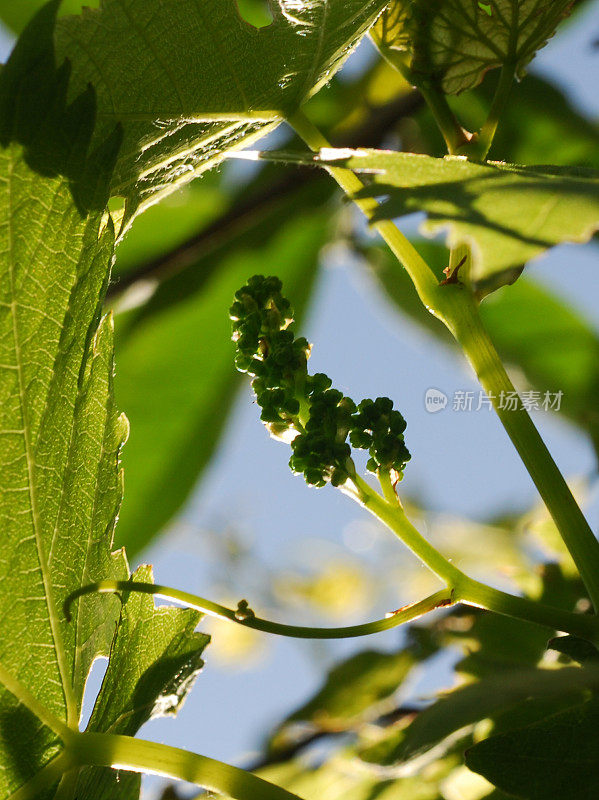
(303, 408)
(268, 351)
(321, 453)
(379, 429)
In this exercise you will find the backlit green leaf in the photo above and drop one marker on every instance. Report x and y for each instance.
(354, 689)
(60, 437)
(575, 648)
(60, 432)
(191, 80)
(453, 43)
(154, 659)
(16, 15)
(469, 704)
(508, 215)
(338, 779)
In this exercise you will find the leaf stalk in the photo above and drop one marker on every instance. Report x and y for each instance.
(456, 138)
(466, 325)
(484, 139)
(137, 755)
(406, 614)
(464, 588)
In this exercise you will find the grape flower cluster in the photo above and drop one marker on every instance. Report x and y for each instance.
(303, 409)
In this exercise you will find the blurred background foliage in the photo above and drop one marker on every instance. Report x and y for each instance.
(361, 736)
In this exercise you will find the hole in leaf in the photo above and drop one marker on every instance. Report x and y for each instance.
(93, 685)
(256, 12)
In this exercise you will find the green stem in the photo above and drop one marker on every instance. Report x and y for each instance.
(458, 268)
(421, 274)
(136, 755)
(478, 594)
(461, 588)
(399, 617)
(44, 779)
(387, 486)
(456, 308)
(455, 136)
(396, 520)
(465, 589)
(484, 140)
(467, 327)
(68, 785)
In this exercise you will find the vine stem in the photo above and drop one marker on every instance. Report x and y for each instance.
(456, 138)
(421, 274)
(137, 755)
(468, 329)
(50, 774)
(455, 306)
(464, 588)
(453, 133)
(484, 140)
(402, 615)
(388, 487)
(460, 588)
(394, 517)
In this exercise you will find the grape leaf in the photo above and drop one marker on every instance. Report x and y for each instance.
(507, 214)
(154, 659)
(60, 432)
(575, 648)
(453, 43)
(338, 778)
(190, 80)
(556, 757)
(60, 437)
